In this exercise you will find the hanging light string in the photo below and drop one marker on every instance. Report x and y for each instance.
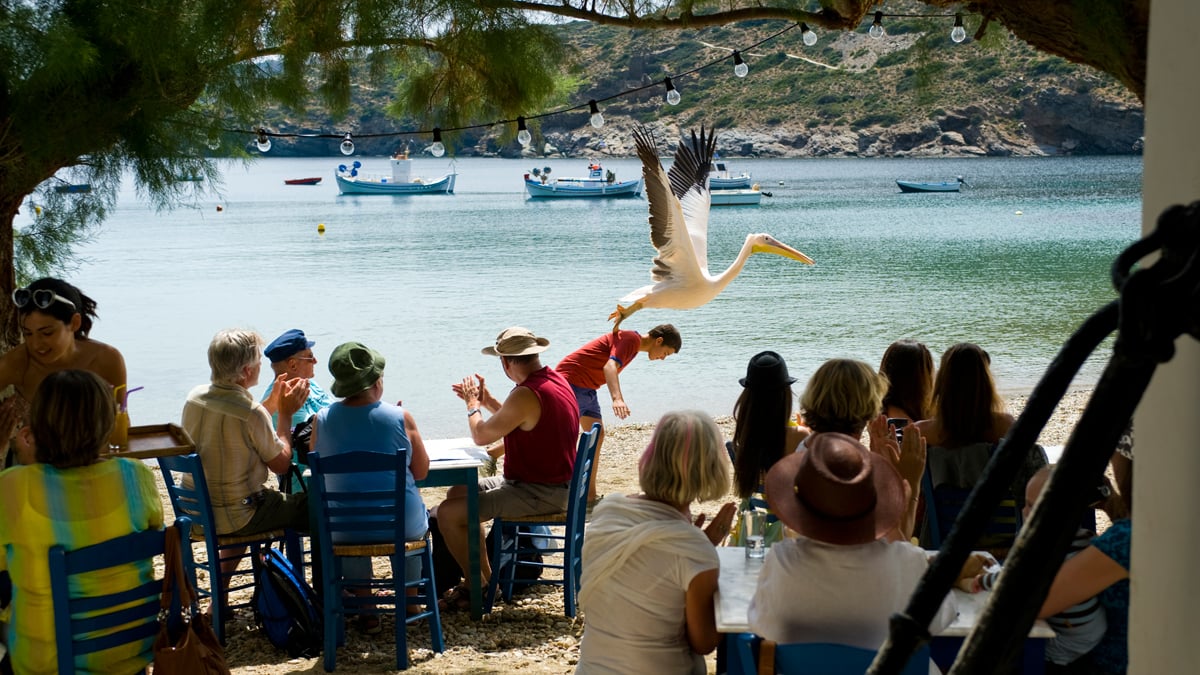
(263, 136)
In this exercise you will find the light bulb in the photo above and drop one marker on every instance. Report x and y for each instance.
(672, 93)
(876, 30)
(347, 146)
(807, 36)
(264, 141)
(739, 66)
(523, 135)
(596, 119)
(438, 148)
(214, 141)
(958, 33)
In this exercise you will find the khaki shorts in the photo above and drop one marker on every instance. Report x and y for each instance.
(276, 511)
(515, 499)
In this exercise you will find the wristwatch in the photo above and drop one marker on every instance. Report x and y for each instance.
(472, 411)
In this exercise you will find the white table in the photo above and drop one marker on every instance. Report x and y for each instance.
(739, 577)
(456, 461)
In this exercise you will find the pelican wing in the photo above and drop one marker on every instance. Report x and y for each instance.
(676, 261)
(689, 183)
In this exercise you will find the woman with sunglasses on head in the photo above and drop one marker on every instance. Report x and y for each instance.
(56, 320)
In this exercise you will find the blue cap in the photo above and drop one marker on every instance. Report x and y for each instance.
(292, 342)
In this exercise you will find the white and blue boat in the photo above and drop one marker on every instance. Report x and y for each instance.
(401, 182)
(598, 183)
(720, 178)
(943, 186)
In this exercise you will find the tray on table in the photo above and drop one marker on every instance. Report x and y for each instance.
(156, 440)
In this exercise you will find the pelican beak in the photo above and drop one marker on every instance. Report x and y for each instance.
(780, 248)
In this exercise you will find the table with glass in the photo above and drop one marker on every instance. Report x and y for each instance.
(456, 461)
(739, 577)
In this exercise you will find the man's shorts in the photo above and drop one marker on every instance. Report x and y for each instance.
(275, 511)
(589, 405)
(516, 499)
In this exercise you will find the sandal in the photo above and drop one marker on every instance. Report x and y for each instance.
(457, 599)
(369, 624)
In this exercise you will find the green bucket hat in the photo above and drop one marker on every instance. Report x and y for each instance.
(354, 367)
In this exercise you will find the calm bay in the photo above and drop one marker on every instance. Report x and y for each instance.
(1014, 262)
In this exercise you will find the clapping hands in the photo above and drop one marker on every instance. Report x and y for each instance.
(719, 527)
(909, 457)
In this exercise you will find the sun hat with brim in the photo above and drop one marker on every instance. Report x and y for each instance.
(516, 341)
(836, 491)
(354, 367)
(766, 369)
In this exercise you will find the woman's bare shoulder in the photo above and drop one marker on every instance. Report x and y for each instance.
(102, 359)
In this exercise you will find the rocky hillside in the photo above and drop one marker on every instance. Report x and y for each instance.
(911, 93)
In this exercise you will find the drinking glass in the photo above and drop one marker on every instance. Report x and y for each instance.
(754, 525)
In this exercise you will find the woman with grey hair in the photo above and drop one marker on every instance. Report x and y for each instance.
(649, 571)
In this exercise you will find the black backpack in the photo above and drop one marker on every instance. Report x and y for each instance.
(285, 606)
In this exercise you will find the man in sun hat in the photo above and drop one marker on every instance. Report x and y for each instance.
(842, 576)
(292, 358)
(539, 423)
(362, 419)
(599, 363)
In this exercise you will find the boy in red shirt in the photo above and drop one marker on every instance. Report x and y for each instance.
(600, 362)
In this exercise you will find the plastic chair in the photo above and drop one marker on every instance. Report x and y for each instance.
(506, 550)
(88, 624)
(817, 658)
(350, 513)
(189, 498)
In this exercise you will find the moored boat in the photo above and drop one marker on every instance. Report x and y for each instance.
(720, 178)
(942, 186)
(312, 180)
(748, 197)
(598, 183)
(73, 188)
(401, 182)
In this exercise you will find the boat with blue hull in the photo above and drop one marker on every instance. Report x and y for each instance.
(401, 182)
(919, 186)
(598, 183)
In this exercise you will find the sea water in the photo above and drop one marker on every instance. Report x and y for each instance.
(1014, 262)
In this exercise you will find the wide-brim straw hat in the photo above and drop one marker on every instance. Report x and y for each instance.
(836, 491)
(516, 341)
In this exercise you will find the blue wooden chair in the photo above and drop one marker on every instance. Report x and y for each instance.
(815, 658)
(507, 553)
(189, 499)
(344, 514)
(88, 624)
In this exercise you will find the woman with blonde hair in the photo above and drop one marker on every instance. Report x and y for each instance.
(843, 396)
(649, 571)
(74, 498)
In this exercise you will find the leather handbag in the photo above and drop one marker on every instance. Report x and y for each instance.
(186, 643)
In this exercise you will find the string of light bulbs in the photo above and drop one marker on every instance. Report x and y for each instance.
(595, 117)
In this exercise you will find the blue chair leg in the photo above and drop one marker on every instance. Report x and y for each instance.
(435, 626)
(399, 588)
(333, 613)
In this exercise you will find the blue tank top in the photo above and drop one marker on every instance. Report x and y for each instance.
(378, 427)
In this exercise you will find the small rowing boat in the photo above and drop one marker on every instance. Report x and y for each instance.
(313, 180)
(943, 186)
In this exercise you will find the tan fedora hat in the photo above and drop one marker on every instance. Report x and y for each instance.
(516, 341)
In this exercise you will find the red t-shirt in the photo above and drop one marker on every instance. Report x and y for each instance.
(584, 367)
(545, 453)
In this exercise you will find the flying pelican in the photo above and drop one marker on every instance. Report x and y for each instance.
(679, 203)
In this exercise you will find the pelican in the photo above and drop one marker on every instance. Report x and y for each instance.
(679, 203)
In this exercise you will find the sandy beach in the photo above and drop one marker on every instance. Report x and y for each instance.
(531, 634)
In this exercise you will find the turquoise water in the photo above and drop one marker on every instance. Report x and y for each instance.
(1014, 263)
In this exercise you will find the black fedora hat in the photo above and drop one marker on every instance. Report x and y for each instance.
(766, 369)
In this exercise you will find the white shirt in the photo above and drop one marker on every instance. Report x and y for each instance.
(810, 591)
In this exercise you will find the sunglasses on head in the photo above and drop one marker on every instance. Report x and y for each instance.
(42, 298)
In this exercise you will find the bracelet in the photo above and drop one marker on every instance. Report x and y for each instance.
(472, 411)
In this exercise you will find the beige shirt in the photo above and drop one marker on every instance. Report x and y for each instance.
(235, 440)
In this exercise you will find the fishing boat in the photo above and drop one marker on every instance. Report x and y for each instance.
(312, 180)
(943, 186)
(598, 183)
(73, 188)
(401, 182)
(720, 178)
(748, 197)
